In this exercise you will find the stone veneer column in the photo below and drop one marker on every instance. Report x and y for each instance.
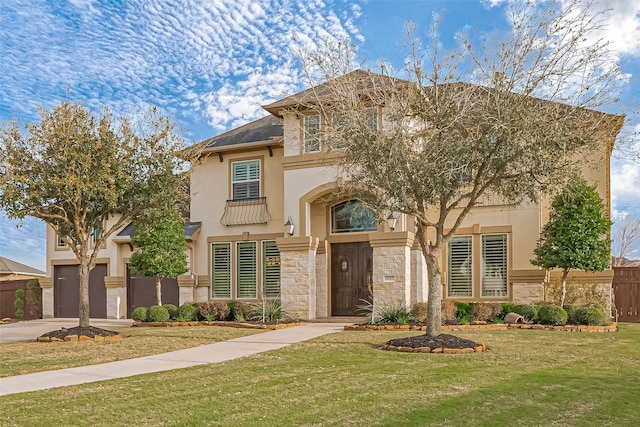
(46, 284)
(322, 282)
(116, 297)
(392, 267)
(527, 286)
(298, 276)
(419, 276)
(186, 286)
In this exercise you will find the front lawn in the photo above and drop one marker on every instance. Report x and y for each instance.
(29, 356)
(529, 378)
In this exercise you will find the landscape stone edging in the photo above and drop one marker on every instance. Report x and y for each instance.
(477, 349)
(613, 327)
(219, 323)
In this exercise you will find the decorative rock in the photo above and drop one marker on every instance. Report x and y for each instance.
(71, 338)
(84, 338)
(98, 338)
(437, 350)
(424, 349)
(43, 339)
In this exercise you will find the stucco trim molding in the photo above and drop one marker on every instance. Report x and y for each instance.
(585, 276)
(393, 239)
(46, 282)
(114, 282)
(534, 275)
(304, 243)
(186, 280)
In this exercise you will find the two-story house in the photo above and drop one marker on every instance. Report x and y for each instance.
(274, 221)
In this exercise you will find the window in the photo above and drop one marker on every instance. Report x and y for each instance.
(338, 122)
(59, 242)
(459, 263)
(245, 180)
(246, 270)
(352, 216)
(221, 270)
(270, 269)
(372, 118)
(311, 133)
(494, 265)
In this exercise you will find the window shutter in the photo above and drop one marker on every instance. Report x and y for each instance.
(221, 270)
(246, 270)
(246, 180)
(494, 265)
(459, 267)
(270, 269)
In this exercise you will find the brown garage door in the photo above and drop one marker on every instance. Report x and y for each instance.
(141, 292)
(66, 287)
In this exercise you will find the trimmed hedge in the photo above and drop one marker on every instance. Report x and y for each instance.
(187, 311)
(590, 315)
(551, 314)
(139, 314)
(157, 313)
(529, 312)
(172, 309)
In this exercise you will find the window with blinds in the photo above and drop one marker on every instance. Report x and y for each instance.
(311, 131)
(245, 178)
(221, 270)
(459, 264)
(246, 269)
(494, 265)
(372, 118)
(270, 269)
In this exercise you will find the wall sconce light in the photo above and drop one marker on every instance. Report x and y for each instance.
(391, 221)
(289, 227)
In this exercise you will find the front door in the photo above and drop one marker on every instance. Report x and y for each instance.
(351, 277)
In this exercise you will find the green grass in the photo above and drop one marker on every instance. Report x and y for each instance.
(529, 378)
(29, 356)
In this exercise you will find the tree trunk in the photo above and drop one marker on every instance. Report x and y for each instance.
(158, 290)
(83, 309)
(563, 295)
(434, 304)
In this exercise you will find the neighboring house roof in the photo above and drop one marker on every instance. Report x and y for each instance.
(624, 262)
(265, 131)
(191, 229)
(8, 266)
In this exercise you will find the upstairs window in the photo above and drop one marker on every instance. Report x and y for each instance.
(372, 118)
(311, 133)
(59, 242)
(245, 178)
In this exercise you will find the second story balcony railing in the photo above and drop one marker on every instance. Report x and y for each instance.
(245, 212)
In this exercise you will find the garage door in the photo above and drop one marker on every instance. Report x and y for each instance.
(141, 292)
(67, 291)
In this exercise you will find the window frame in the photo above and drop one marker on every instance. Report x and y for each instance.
(248, 180)
(264, 267)
(450, 268)
(237, 270)
(503, 269)
(307, 136)
(229, 270)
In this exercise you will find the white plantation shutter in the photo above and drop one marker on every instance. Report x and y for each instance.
(246, 261)
(459, 267)
(270, 269)
(246, 179)
(494, 265)
(221, 270)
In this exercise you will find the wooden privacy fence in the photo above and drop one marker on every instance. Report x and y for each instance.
(32, 306)
(626, 290)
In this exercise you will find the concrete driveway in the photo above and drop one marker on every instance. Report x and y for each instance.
(31, 329)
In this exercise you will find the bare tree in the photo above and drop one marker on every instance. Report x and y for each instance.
(445, 143)
(625, 236)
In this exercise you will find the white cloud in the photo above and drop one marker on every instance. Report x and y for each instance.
(625, 188)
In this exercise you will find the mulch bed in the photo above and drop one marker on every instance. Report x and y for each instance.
(77, 331)
(441, 341)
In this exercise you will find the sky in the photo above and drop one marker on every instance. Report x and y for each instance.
(211, 64)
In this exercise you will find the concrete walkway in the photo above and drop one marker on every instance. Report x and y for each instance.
(31, 329)
(211, 353)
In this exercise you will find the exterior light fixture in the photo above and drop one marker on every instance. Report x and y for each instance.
(391, 221)
(289, 227)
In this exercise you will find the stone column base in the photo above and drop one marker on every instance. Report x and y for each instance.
(46, 284)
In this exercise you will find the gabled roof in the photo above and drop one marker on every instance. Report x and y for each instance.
(191, 229)
(365, 81)
(8, 266)
(262, 132)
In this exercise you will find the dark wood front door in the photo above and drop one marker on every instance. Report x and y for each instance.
(351, 277)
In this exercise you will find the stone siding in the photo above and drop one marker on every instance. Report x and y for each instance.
(392, 276)
(528, 293)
